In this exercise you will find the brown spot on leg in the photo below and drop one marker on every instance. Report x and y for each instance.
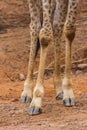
(44, 41)
(38, 93)
(70, 36)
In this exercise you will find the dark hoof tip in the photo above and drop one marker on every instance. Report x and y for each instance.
(66, 102)
(34, 111)
(69, 102)
(22, 99)
(25, 99)
(28, 99)
(72, 102)
(60, 96)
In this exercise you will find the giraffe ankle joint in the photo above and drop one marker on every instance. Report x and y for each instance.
(67, 83)
(39, 91)
(28, 85)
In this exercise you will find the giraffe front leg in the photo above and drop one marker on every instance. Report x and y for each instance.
(35, 26)
(27, 93)
(68, 95)
(35, 106)
(45, 37)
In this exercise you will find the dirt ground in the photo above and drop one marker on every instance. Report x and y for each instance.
(14, 115)
(14, 56)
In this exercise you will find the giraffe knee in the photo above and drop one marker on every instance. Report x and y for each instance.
(69, 33)
(44, 41)
(46, 37)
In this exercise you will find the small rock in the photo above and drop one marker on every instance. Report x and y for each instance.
(14, 100)
(21, 77)
(79, 72)
(12, 112)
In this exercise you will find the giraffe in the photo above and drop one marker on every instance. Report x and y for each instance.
(48, 21)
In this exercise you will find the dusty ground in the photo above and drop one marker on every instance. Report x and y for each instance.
(14, 115)
(14, 55)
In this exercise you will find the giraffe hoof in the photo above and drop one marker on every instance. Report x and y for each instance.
(69, 102)
(34, 111)
(72, 102)
(25, 99)
(59, 96)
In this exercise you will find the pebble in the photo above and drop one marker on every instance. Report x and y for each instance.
(21, 77)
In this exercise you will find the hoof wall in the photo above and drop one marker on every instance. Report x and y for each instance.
(34, 111)
(69, 102)
(25, 99)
